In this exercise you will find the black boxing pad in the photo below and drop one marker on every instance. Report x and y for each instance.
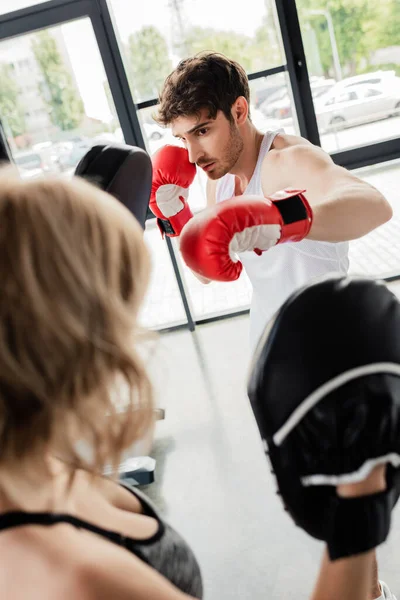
(325, 390)
(123, 171)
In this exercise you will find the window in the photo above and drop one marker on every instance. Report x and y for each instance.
(169, 312)
(369, 81)
(354, 43)
(347, 97)
(155, 38)
(72, 102)
(152, 42)
(373, 92)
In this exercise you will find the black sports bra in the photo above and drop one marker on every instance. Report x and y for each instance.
(166, 551)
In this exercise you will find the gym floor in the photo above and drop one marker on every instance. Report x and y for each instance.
(212, 480)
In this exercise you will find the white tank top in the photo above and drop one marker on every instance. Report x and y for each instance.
(277, 273)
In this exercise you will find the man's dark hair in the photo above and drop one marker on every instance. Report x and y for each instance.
(207, 80)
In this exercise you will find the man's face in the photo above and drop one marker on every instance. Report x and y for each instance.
(213, 144)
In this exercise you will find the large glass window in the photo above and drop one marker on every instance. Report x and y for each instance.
(155, 38)
(272, 104)
(353, 49)
(53, 105)
(153, 41)
(163, 305)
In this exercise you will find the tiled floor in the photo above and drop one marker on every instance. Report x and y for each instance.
(212, 480)
(378, 253)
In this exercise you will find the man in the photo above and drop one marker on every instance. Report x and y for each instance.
(205, 101)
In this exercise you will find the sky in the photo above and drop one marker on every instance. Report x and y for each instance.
(129, 16)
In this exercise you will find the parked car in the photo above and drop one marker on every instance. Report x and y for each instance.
(69, 152)
(153, 131)
(356, 105)
(279, 105)
(374, 78)
(29, 164)
(261, 93)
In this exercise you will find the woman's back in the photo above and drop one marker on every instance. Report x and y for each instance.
(62, 557)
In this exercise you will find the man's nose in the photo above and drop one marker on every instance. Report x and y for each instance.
(193, 151)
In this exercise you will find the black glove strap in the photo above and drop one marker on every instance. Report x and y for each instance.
(357, 525)
(165, 226)
(292, 209)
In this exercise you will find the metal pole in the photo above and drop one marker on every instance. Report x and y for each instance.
(335, 52)
(332, 37)
(185, 302)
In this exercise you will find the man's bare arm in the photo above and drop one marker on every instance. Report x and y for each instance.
(345, 207)
(351, 578)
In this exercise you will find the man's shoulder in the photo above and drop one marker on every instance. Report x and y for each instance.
(291, 160)
(288, 148)
(286, 141)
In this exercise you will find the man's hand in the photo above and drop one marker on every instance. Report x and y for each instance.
(211, 241)
(173, 173)
(374, 483)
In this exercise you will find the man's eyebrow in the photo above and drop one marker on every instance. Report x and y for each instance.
(199, 126)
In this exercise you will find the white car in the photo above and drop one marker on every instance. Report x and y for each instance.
(356, 105)
(29, 164)
(153, 131)
(375, 78)
(279, 105)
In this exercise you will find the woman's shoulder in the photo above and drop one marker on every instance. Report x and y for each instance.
(65, 563)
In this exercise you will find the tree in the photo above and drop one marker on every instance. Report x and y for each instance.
(353, 21)
(389, 23)
(10, 109)
(148, 62)
(265, 49)
(58, 91)
(234, 45)
(252, 53)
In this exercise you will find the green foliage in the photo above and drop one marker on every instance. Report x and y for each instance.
(253, 53)
(388, 23)
(10, 110)
(58, 91)
(148, 62)
(353, 23)
(360, 28)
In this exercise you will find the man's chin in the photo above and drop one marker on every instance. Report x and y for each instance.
(216, 174)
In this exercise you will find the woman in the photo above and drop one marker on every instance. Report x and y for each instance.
(74, 271)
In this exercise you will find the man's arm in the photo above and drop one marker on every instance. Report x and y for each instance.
(351, 578)
(344, 206)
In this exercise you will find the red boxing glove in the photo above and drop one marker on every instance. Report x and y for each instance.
(213, 238)
(172, 176)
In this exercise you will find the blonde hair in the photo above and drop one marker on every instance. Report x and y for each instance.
(73, 270)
